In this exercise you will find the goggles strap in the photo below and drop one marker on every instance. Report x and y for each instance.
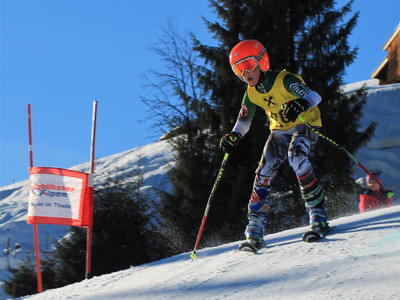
(262, 52)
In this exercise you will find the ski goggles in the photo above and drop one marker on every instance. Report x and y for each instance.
(246, 64)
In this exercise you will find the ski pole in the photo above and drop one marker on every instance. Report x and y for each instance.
(337, 145)
(210, 198)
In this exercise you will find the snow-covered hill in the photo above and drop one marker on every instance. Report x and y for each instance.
(154, 161)
(358, 260)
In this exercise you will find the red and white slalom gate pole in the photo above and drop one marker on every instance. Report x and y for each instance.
(210, 198)
(30, 137)
(35, 230)
(89, 229)
(94, 119)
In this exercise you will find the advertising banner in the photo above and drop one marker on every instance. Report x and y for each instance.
(59, 196)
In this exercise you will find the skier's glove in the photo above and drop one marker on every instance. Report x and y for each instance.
(292, 109)
(390, 194)
(229, 141)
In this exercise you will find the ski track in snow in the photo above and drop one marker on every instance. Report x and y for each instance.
(359, 259)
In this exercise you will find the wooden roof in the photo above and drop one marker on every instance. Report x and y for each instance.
(385, 47)
(380, 68)
(390, 40)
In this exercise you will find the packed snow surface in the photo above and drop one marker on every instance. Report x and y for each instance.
(359, 260)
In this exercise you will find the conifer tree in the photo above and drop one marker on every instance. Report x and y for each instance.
(23, 279)
(308, 38)
(304, 37)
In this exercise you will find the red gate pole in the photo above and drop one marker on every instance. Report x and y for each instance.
(94, 118)
(37, 255)
(89, 228)
(35, 230)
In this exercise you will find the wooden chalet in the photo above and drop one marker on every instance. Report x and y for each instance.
(389, 70)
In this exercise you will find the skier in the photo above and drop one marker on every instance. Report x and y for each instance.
(284, 96)
(374, 194)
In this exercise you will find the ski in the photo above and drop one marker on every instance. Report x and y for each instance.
(313, 236)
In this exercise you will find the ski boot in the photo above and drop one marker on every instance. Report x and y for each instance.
(317, 232)
(251, 245)
(320, 227)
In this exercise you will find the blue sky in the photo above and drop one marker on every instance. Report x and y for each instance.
(60, 56)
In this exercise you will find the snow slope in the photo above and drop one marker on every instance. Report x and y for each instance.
(359, 260)
(153, 160)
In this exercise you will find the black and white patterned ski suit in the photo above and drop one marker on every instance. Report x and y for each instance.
(288, 140)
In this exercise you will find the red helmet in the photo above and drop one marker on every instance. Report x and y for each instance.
(248, 55)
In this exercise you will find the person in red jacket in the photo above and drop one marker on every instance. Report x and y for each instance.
(375, 196)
